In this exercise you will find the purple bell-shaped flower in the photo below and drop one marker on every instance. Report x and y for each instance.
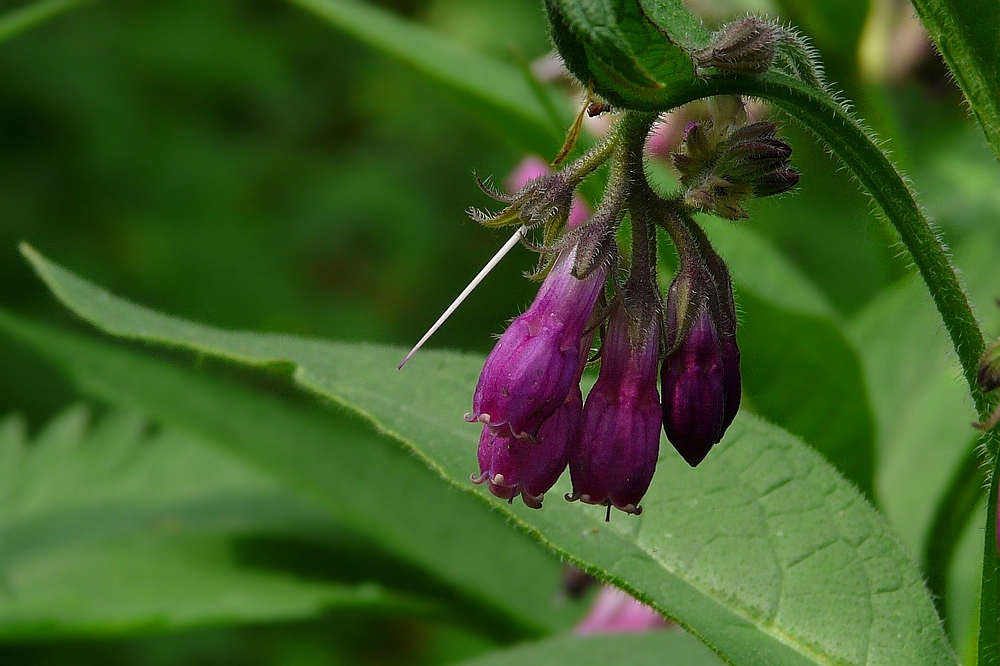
(620, 431)
(534, 365)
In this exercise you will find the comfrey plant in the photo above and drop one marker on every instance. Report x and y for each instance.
(826, 527)
(528, 399)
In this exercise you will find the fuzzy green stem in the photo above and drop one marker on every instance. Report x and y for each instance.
(634, 128)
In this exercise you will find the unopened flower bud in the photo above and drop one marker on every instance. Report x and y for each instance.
(534, 365)
(544, 200)
(532, 168)
(700, 377)
(989, 368)
(720, 174)
(620, 430)
(742, 47)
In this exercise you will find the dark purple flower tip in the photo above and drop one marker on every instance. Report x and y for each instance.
(776, 182)
(620, 430)
(533, 366)
(513, 466)
(697, 377)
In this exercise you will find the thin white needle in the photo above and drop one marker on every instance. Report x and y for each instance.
(490, 265)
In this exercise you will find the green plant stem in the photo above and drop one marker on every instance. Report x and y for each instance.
(633, 129)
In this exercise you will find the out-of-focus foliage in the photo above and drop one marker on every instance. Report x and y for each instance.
(246, 164)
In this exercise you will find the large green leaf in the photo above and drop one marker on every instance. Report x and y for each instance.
(108, 528)
(629, 50)
(764, 552)
(500, 93)
(450, 541)
(166, 583)
(655, 648)
(967, 33)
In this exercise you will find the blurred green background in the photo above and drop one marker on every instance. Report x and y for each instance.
(244, 164)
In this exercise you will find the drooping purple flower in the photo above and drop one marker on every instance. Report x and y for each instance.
(534, 365)
(700, 378)
(620, 430)
(693, 384)
(513, 466)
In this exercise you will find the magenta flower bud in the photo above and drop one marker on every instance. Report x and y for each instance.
(534, 365)
(513, 466)
(620, 431)
(616, 612)
(694, 394)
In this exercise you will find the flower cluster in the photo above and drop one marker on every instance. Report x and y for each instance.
(535, 420)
